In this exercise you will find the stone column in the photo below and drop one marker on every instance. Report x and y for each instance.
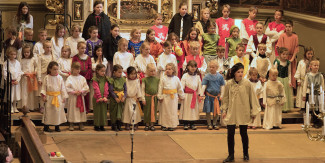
(91, 6)
(159, 6)
(105, 6)
(189, 4)
(118, 9)
(174, 7)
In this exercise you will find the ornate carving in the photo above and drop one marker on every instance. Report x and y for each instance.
(213, 6)
(56, 6)
(166, 10)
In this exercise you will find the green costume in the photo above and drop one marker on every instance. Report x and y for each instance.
(233, 42)
(117, 85)
(151, 88)
(100, 108)
(210, 42)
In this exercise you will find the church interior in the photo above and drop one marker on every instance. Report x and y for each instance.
(296, 141)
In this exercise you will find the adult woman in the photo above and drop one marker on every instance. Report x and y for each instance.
(23, 19)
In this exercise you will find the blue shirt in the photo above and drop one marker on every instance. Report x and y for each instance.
(213, 83)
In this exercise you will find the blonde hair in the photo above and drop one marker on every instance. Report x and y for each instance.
(225, 6)
(66, 47)
(273, 70)
(11, 49)
(202, 11)
(261, 46)
(120, 42)
(27, 46)
(252, 8)
(42, 30)
(28, 30)
(56, 35)
(150, 66)
(75, 65)
(157, 15)
(46, 42)
(313, 61)
(214, 62)
(194, 44)
(81, 43)
(252, 71)
(74, 27)
(133, 31)
(173, 68)
(144, 44)
(220, 49)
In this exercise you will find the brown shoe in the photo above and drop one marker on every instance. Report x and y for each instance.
(71, 127)
(81, 127)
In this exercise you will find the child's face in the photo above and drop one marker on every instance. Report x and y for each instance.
(213, 68)
(82, 49)
(262, 50)
(221, 54)
(98, 8)
(24, 10)
(314, 66)
(158, 21)
(124, 47)
(101, 72)
(169, 71)
(273, 76)
(151, 72)
(94, 34)
(9, 34)
(240, 52)
(65, 53)
(277, 16)
(259, 29)
(29, 35)
(61, 33)
(75, 33)
(239, 74)
(146, 51)
(254, 76)
(289, 28)
(206, 15)
(195, 51)
(235, 33)
(75, 72)
(183, 10)
(173, 40)
(252, 14)
(137, 34)
(192, 69)
(42, 36)
(26, 52)
(115, 32)
(168, 50)
(284, 56)
(225, 12)
(118, 73)
(133, 75)
(212, 30)
(99, 52)
(309, 55)
(193, 35)
(152, 36)
(47, 48)
(12, 55)
(54, 70)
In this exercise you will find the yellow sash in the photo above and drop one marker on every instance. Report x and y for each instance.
(245, 63)
(55, 100)
(119, 94)
(170, 92)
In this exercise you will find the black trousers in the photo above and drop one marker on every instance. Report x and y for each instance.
(314, 118)
(231, 138)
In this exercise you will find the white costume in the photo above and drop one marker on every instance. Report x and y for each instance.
(258, 88)
(300, 77)
(56, 48)
(28, 99)
(72, 43)
(163, 60)
(141, 63)
(16, 73)
(64, 67)
(125, 59)
(133, 93)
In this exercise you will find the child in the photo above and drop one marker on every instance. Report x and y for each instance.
(261, 63)
(289, 40)
(118, 93)
(204, 20)
(316, 78)
(85, 64)
(101, 87)
(77, 88)
(65, 62)
(23, 18)
(155, 47)
(122, 57)
(110, 47)
(224, 24)
(13, 41)
(29, 84)
(53, 94)
(161, 31)
(181, 22)
(240, 106)
(210, 41)
(141, 61)
(232, 42)
(193, 35)
(211, 88)
(92, 41)
(170, 88)
(165, 58)
(29, 33)
(133, 95)
(247, 26)
(302, 70)
(15, 74)
(194, 47)
(273, 98)
(256, 39)
(58, 40)
(191, 83)
(135, 42)
(222, 61)
(73, 40)
(38, 48)
(149, 92)
(274, 30)
(177, 51)
(240, 58)
(258, 88)
(283, 66)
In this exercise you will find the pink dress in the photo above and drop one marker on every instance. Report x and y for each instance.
(223, 29)
(249, 26)
(161, 33)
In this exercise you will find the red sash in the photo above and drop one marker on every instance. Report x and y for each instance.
(80, 104)
(191, 91)
(198, 59)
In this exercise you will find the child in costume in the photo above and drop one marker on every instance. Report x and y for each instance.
(73, 40)
(92, 41)
(261, 63)
(193, 35)
(122, 57)
(194, 48)
(258, 88)
(141, 61)
(232, 41)
(57, 40)
(65, 62)
(135, 42)
(155, 47)
(38, 47)
(210, 41)
(161, 31)
(224, 24)
(240, 49)
(204, 20)
(247, 26)
(165, 58)
(177, 51)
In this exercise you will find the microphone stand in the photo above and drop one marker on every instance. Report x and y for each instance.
(132, 132)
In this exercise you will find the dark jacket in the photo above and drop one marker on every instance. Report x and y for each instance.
(103, 23)
(175, 25)
(110, 47)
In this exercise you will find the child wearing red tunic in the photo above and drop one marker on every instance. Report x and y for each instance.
(224, 24)
(161, 30)
(248, 25)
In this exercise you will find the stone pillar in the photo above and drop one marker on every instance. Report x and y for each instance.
(189, 4)
(174, 7)
(91, 6)
(118, 9)
(159, 6)
(105, 6)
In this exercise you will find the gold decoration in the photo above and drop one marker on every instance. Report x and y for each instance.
(56, 6)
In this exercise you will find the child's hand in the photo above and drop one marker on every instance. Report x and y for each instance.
(253, 117)
(123, 99)
(220, 99)
(117, 100)
(39, 83)
(105, 99)
(144, 102)
(304, 99)
(202, 97)
(299, 83)
(63, 100)
(181, 99)
(44, 98)
(224, 115)
(161, 100)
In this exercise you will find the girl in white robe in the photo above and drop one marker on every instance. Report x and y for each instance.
(15, 72)
(165, 58)
(53, 94)
(73, 40)
(77, 88)
(191, 84)
(58, 40)
(65, 62)
(258, 88)
(133, 95)
(122, 57)
(170, 88)
(141, 61)
(29, 85)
